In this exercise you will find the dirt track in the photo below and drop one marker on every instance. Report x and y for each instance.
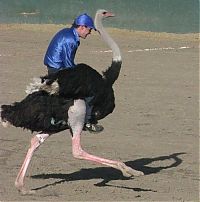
(154, 127)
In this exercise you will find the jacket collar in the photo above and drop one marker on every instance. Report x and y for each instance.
(77, 38)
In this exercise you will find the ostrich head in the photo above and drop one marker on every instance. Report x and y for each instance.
(101, 14)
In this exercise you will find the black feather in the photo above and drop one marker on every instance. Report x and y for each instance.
(38, 111)
(41, 111)
(112, 73)
(84, 81)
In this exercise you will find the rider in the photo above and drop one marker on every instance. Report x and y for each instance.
(61, 53)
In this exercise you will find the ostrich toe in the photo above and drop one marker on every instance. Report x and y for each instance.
(128, 171)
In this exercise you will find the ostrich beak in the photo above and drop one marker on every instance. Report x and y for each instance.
(109, 14)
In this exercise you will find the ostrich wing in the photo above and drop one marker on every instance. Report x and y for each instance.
(38, 111)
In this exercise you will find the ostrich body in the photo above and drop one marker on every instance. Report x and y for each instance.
(48, 113)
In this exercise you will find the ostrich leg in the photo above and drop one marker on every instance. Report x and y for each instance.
(36, 141)
(76, 115)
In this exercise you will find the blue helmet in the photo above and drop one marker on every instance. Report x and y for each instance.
(85, 20)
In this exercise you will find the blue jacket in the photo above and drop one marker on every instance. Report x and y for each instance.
(62, 49)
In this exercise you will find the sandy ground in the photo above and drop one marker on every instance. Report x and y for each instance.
(154, 127)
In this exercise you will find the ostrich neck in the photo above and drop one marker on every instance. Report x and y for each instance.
(106, 37)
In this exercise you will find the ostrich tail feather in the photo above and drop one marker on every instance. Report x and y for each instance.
(34, 86)
(38, 85)
(4, 110)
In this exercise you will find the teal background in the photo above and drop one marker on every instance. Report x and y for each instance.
(176, 16)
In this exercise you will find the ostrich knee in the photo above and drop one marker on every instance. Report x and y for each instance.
(77, 153)
(37, 140)
(77, 150)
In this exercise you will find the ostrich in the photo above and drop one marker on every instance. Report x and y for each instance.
(48, 113)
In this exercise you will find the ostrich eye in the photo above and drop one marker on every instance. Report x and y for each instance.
(104, 12)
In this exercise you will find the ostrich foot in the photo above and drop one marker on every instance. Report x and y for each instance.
(23, 190)
(27, 192)
(128, 171)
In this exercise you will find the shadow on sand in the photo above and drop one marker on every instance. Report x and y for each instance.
(108, 174)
